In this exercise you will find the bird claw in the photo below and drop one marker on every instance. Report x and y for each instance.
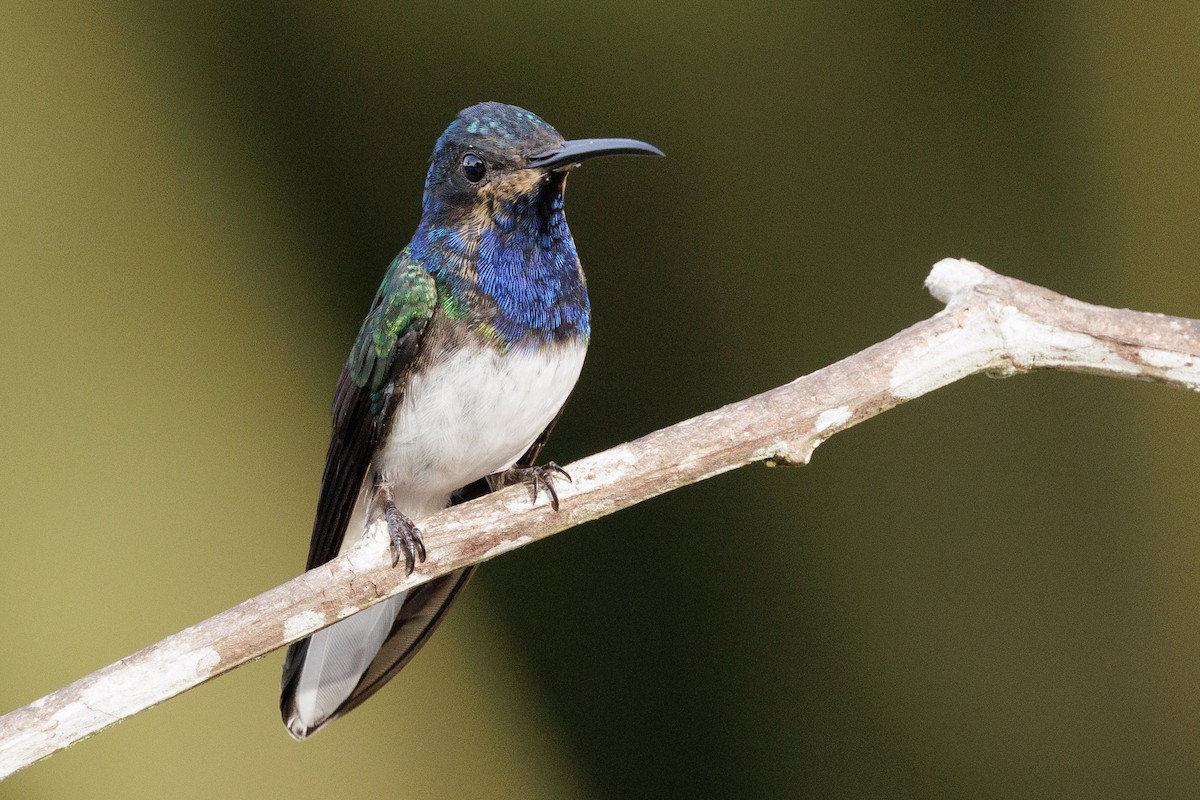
(406, 539)
(542, 476)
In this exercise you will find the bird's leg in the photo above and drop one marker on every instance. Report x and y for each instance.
(405, 536)
(543, 476)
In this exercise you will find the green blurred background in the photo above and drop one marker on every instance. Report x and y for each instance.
(990, 592)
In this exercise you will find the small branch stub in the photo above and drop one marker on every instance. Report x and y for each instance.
(991, 324)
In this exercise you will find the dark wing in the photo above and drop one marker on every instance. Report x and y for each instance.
(367, 392)
(368, 389)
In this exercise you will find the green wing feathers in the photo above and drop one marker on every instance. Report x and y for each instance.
(403, 305)
(371, 383)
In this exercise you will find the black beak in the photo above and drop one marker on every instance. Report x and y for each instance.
(577, 150)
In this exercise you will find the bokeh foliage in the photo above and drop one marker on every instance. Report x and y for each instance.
(992, 591)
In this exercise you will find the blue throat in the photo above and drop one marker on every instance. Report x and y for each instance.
(516, 274)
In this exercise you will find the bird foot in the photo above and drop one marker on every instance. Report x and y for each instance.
(404, 534)
(539, 476)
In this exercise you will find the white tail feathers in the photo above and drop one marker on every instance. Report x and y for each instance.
(336, 659)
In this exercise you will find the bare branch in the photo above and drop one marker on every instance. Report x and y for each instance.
(991, 324)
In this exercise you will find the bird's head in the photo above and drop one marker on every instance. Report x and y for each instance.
(498, 163)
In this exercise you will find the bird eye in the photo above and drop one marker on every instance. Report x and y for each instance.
(474, 167)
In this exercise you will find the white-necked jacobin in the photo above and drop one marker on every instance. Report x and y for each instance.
(474, 341)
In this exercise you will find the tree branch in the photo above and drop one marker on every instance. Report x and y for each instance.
(991, 324)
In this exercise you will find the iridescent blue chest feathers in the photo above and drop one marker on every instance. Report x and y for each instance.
(509, 264)
(499, 247)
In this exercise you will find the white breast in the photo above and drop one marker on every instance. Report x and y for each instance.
(469, 415)
(473, 414)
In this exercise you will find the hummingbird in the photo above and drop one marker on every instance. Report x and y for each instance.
(473, 343)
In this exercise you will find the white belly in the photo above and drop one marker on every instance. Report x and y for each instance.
(465, 417)
(470, 415)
